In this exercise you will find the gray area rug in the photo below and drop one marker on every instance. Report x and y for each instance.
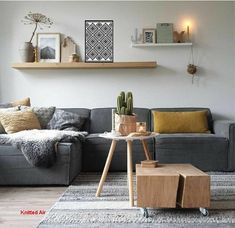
(78, 206)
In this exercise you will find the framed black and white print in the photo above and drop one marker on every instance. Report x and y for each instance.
(48, 47)
(149, 35)
(99, 41)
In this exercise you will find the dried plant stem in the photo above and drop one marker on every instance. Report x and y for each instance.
(36, 26)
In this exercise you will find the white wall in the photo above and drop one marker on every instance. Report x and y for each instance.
(166, 86)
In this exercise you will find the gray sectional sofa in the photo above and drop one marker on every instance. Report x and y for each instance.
(209, 152)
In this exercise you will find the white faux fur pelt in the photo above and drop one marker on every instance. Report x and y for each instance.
(39, 146)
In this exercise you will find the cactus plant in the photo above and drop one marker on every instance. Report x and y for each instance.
(129, 106)
(119, 104)
(125, 103)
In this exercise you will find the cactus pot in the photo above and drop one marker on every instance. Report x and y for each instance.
(125, 124)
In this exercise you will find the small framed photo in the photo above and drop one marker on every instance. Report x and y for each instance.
(48, 47)
(149, 35)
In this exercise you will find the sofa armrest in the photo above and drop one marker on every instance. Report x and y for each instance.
(226, 128)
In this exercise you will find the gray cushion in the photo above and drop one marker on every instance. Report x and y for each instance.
(83, 112)
(190, 109)
(206, 151)
(44, 114)
(63, 120)
(101, 119)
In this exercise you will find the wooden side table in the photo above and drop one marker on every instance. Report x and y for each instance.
(129, 141)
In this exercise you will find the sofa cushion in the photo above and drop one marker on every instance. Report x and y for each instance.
(18, 121)
(83, 112)
(101, 119)
(189, 109)
(2, 110)
(206, 151)
(181, 122)
(15, 170)
(44, 114)
(63, 120)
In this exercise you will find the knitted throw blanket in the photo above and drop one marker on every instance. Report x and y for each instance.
(39, 146)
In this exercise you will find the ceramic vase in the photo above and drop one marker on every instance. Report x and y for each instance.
(27, 52)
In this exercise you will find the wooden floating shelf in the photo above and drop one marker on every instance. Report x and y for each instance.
(162, 45)
(83, 65)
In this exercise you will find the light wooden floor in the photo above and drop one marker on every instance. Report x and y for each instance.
(15, 199)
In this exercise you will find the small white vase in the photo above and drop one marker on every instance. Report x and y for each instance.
(27, 52)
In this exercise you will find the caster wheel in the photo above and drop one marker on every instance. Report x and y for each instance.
(204, 211)
(145, 212)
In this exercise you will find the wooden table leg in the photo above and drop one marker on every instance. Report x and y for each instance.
(146, 151)
(106, 167)
(129, 170)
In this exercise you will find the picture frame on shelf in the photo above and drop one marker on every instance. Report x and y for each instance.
(99, 41)
(164, 32)
(48, 45)
(149, 35)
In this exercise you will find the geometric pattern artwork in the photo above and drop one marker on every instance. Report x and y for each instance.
(98, 41)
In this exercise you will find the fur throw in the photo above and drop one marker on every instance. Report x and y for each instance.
(39, 146)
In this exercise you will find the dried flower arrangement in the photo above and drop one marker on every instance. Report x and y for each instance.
(37, 19)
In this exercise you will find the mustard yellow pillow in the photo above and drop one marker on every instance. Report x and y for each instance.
(24, 102)
(181, 122)
(18, 121)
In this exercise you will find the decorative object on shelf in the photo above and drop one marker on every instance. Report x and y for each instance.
(188, 25)
(39, 20)
(35, 51)
(141, 127)
(68, 48)
(48, 47)
(27, 52)
(125, 119)
(136, 38)
(99, 41)
(164, 33)
(188, 37)
(178, 37)
(74, 58)
(149, 35)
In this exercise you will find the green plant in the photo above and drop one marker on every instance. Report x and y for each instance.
(125, 104)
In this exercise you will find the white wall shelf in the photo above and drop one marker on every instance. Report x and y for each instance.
(161, 44)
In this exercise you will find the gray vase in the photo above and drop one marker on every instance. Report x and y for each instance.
(27, 52)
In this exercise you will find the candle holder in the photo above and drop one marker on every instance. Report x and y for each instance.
(141, 127)
(113, 131)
